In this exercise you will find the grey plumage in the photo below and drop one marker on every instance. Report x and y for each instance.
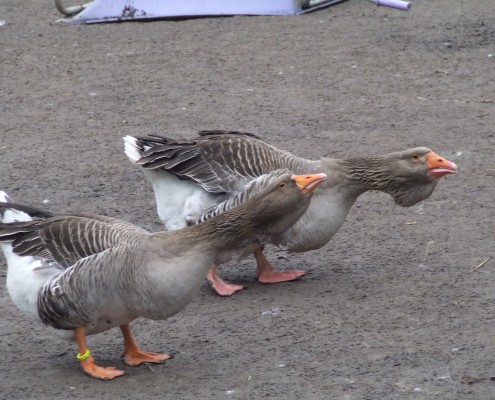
(112, 271)
(220, 161)
(251, 189)
(32, 211)
(227, 161)
(220, 165)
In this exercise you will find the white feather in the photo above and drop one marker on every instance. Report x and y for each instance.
(131, 149)
(26, 275)
(178, 202)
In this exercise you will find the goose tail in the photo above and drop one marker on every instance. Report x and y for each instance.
(26, 275)
(133, 148)
(136, 147)
(8, 211)
(14, 212)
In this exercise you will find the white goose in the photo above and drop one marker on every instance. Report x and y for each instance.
(190, 176)
(82, 275)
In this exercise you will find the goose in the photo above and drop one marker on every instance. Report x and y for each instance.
(82, 274)
(190, 176)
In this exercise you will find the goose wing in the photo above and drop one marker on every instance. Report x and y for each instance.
(64, 303)
(37, 213)
(67, 239)
(219, 161)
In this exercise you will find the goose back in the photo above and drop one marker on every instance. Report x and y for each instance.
(66, 239)
(219, 161)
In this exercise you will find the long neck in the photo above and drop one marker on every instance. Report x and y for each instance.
(227, 230)
(371, 172)
(360, 174)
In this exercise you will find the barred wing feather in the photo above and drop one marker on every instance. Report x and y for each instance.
(219, 161)
(252, 188)
(67, 239)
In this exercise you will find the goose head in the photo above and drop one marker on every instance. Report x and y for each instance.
(409, 176)
(284, 200)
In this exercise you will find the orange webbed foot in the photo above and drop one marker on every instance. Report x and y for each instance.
(88, 363)
(272, 276)
(221, 287)
(138, 357)
(266, 273)
(102, 373)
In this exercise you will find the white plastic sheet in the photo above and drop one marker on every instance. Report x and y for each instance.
(130, 10)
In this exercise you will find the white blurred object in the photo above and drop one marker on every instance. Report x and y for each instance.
(127, 10)
(398, 4)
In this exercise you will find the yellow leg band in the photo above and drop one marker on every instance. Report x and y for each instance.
(82, 357)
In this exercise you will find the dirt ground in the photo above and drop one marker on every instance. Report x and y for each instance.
(392, 308)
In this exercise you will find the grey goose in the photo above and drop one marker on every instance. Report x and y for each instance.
(83, 274)
(190, 176)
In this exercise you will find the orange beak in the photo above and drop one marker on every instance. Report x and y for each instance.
(439, 166)
(308, 183)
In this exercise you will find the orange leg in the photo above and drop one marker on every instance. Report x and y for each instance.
(88, 363)
(134, 356)
(266, 273)
(219, 285)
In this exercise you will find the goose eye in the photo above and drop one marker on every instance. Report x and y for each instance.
(282, 185)
(415, 157)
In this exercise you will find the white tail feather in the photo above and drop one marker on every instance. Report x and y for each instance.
(131, 149)
(26, 275)
(11, 214)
